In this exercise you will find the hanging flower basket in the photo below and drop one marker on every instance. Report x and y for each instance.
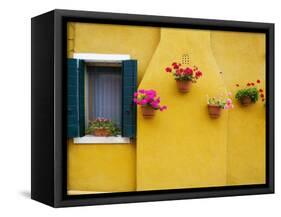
(184, 86)
(147, 111)
(245, 100)
(184, 76)
(214, 111)
(149, 102)
(249, 94)
(217, 104)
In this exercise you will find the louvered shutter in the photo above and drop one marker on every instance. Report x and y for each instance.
(75, 98)
(129, 86)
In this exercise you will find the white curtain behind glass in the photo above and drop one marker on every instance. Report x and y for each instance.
(105, 93)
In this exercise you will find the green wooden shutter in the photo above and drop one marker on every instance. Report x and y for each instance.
(75, 98)
(129, 86)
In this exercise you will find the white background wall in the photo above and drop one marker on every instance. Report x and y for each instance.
(15, 107)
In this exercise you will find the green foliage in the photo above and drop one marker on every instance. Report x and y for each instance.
(223, 101)
(251, 92)
(103, 123)
(217, 101)
(184, 78)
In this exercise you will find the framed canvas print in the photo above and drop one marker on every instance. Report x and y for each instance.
(132, 108)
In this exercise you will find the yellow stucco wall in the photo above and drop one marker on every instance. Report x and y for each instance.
(138, 42)
(241, 58)
(181, 147)
(107, 167)
(101, 167)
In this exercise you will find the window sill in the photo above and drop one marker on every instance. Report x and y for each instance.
(88, 139)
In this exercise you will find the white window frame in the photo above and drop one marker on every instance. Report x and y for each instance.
(96, 57)
(100, 58)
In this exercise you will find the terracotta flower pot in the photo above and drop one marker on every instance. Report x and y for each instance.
(214, 111)
(147, 111)
(101, 132)
(245, 101)
(184, 86)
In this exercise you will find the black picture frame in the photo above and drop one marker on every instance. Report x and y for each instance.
(48, 163)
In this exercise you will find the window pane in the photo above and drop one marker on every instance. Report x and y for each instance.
(105, 93)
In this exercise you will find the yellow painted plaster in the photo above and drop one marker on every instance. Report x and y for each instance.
(241, 58)
(139, 42)
(101, 167)
(110, 167)
(181, 147)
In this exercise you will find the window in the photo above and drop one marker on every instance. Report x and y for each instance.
(104, 92)
(101, 89)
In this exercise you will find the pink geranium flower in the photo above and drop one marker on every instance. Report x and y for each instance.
(149, 98)
(162, 108)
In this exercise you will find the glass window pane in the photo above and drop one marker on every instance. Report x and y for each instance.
(105, 93)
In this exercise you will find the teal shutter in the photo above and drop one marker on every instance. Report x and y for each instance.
(129, 86)
(75, 98)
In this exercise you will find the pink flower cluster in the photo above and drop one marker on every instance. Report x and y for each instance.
(224, 102)
(148, 97)
(228, 104)
(99, 119)
(184, 73)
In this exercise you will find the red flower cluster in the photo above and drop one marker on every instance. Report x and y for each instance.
(198, 74)
(261, 91)
(168, 69)
(184, 73)
(249, 84)
(262, 95)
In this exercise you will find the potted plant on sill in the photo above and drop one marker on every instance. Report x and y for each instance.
(149, 102)
(216, 104)
(184, 76)
(103, 127)
(249, 94)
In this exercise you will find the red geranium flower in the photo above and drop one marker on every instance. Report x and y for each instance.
(188, 71)
(248, 84)
(262, 95)
(168, 69)
(175, 66)
(261, 90)
(253, 84)
(198, 74)
(181, 71)
(237, 85)
(258, 81)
